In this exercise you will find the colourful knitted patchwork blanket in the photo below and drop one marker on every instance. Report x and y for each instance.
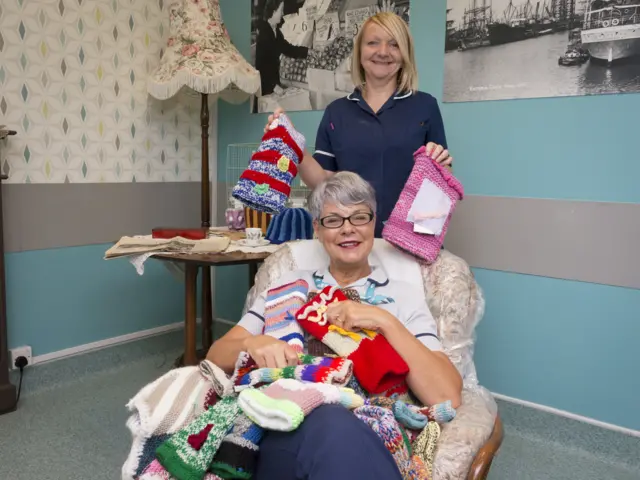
(178, 429)
(181, 422)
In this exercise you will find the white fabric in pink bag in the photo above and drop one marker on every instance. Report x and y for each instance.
(420, 219)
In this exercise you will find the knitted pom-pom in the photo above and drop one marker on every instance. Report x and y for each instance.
(291, 224)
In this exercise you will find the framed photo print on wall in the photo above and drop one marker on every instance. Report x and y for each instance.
(302, 49)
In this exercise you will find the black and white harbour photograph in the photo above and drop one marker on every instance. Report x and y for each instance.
(508, 49)
(302, 49)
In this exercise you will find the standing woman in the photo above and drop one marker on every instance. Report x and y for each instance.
(375, 130)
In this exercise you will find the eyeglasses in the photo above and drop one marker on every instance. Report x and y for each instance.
(336, 221)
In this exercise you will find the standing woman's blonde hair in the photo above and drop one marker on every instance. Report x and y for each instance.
(398, 29)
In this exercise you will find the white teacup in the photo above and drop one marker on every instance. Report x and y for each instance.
(253, 235)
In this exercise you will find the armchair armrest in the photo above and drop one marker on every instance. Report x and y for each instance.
(482, 463)
(462, 440)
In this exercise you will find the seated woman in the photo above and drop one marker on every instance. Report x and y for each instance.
(332, 442)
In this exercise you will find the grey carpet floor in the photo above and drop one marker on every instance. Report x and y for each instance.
(75, 429)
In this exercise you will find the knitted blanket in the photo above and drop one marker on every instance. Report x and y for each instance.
(181, 398)
(191, 421)
(164, 407)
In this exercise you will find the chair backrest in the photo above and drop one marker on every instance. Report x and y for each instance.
(454, 298)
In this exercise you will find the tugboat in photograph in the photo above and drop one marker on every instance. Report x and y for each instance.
(576, 53)
(611, 30)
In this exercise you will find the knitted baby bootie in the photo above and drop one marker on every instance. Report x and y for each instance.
(441, 412)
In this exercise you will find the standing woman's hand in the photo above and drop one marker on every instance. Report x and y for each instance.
(439, 154)
(279, 111)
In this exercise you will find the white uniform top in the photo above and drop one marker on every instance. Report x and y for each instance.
(403, 300)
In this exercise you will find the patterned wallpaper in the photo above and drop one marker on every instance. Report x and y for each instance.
(73, 85)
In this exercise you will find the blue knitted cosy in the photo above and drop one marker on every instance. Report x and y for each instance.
(291, 224)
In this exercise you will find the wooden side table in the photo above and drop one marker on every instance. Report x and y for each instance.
(193, 263)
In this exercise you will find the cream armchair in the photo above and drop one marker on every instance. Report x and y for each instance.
(468, 444)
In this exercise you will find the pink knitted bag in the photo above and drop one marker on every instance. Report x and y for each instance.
(399, 231)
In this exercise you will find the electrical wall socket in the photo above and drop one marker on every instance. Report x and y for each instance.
(20, 352)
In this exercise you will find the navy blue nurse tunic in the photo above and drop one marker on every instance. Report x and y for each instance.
(378, 147)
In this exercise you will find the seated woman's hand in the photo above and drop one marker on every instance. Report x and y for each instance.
(278, 111)
(353, 316)
(439, 154)
(270, 352)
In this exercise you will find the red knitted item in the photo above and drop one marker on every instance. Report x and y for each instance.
(376, 364)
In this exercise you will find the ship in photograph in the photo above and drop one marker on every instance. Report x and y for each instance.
(527, 21)
(611, 32)
(512, 31)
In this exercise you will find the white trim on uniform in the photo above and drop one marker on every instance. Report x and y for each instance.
(322, 152)
(408, 94)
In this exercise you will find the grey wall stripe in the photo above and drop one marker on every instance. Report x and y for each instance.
(594, 242)
(585, 241)
(40, 216)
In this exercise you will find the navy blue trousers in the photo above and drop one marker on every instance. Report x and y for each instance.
(331, 444)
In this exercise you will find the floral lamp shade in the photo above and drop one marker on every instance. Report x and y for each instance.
(201, 56)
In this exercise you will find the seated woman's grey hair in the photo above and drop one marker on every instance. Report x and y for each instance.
(343, 189)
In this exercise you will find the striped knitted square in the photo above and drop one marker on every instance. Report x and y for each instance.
(280, 306)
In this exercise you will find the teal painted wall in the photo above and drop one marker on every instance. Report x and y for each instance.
(568, 345)
(66, 297)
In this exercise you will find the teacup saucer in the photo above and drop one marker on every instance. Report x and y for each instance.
(260, 243)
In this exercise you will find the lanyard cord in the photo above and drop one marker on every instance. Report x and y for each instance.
(370, 297)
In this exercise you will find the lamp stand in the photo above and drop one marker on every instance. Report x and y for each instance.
(205, 215)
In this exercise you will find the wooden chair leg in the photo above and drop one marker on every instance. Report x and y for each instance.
(482, 462)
